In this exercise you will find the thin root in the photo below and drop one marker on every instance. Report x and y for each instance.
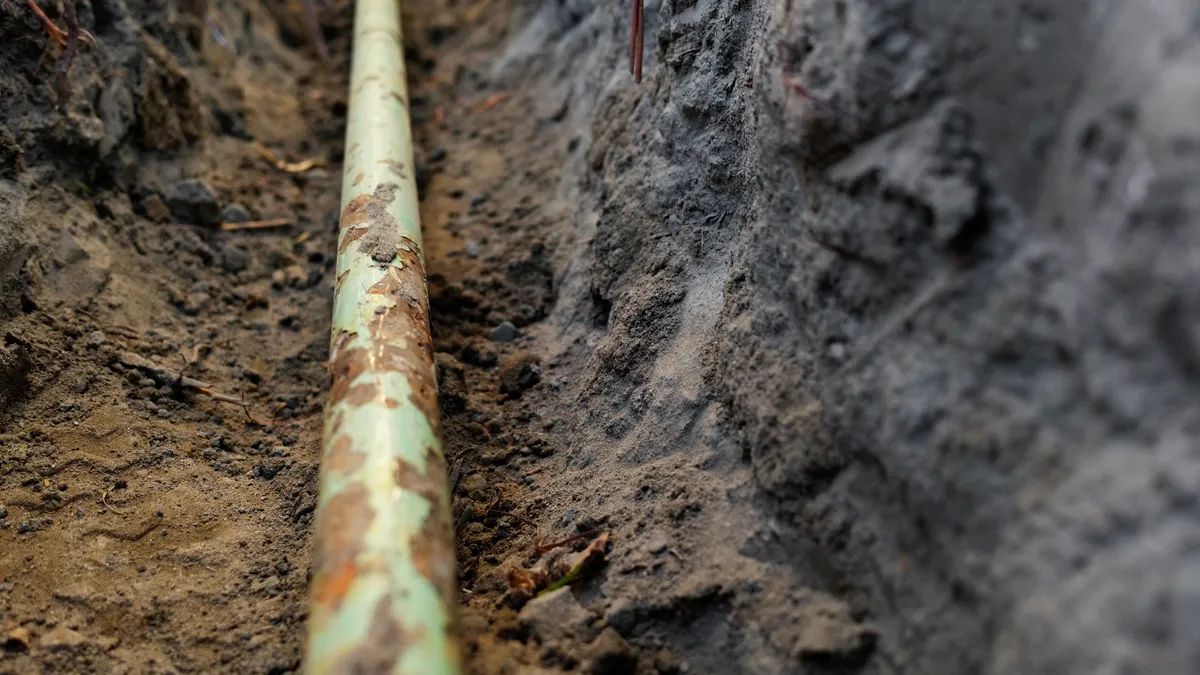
(68, 40)
(104, 500)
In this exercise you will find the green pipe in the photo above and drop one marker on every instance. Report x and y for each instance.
(384, 574)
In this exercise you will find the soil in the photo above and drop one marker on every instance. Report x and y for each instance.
(865, 330)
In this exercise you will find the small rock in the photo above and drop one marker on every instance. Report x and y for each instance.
(473, 249)
(235, 213)
(610, 655)
(194, 202)
(556, 615)
(505, 332)
(519, 373)
(95, 339)
(6, 587)
(3, 512)
(156, 209)
(271, 586)
(233, 258)
(62, 638)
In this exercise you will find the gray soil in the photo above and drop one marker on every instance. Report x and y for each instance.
(867, 329)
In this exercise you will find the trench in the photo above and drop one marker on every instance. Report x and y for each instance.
(862, 331)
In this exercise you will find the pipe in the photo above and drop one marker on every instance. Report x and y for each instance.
(384, 574)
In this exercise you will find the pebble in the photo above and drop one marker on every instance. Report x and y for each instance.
(95, 339)
(235, 213)
(194, 202)
(505, 332)
(473, 250)
(3, 512)
(233, 258)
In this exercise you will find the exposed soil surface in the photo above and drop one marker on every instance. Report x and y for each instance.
(865, 329)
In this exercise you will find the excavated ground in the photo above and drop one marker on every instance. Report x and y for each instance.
(865, 329)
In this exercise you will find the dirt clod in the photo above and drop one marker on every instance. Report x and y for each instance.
(518, 373)
(194, 201)
(505, 332)
(556, 615)
(610, 654)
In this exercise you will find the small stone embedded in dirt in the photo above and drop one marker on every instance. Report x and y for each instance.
(556, 615)
(95, 339)
(505, 332)
(235, 213)
(271, 586)
(473, 249)
(61, 639)
(610, 654)
(3, 512)
(518, 373)
(234, 258)
(156, 209)
(194, 202)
